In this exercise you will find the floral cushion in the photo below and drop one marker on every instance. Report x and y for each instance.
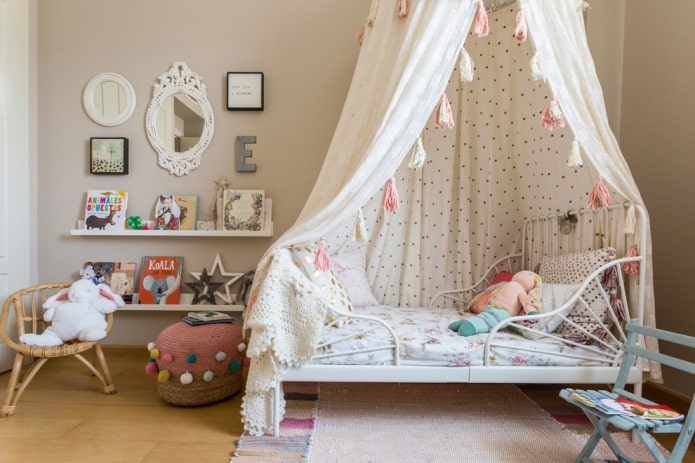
(351, 269)
(574, 268)
(326, 281)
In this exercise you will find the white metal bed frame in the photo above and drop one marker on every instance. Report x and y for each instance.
(533, 245)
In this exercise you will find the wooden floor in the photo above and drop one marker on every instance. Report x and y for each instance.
(64, 416)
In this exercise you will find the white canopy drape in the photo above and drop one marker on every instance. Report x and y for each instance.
(403, 68)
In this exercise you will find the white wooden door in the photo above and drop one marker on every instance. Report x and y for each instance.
(15, 151)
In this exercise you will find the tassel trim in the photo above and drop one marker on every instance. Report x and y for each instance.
(359, 233)
(600, 196)
(536, 70)
(322, 261)
(552, 116)
(391, 196)
(631, 268)
(417, 159)
(630, 220)
(481, 27)
(369, 23)
(443, 118)
(402, 9)
(520, 28)
(575, 158)
(466, 72)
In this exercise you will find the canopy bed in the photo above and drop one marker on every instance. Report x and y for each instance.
(437, 180)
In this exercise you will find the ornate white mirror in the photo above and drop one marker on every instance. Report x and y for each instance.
(109, 99)
(179, 120)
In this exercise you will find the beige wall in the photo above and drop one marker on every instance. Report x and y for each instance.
(658, 142)
(307, 50)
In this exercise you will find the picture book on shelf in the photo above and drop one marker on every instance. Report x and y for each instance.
(189, 210)
(204, 318)
(105, 210)
(159, 279)
(119, 276)
(167, 213)
(243, 210)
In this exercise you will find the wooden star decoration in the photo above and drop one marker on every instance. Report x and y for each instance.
(227, 297)
(203, 289)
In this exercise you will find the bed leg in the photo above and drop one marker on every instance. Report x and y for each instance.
(276, 409)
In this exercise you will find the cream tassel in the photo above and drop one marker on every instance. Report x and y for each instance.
(417, 159)
(575, 158)
(466, 72)
(443, 118)
(360, 231)
(536, 71)
(630, 220)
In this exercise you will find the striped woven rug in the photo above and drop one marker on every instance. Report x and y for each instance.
(366, 422)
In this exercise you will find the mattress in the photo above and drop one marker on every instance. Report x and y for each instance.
(425, 339)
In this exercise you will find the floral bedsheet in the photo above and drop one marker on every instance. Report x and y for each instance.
(425, 339)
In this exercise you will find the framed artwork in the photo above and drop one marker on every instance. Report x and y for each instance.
(245, 91)
(108, 156)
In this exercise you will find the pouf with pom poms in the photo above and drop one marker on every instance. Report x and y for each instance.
(197, 364)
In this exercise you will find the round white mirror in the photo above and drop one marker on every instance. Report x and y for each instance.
(109, 99)
(179, 121)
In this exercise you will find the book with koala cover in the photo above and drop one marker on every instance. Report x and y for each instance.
(159, 279)
(105, 210)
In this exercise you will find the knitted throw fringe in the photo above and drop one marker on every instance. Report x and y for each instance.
(599, 196)
(322, 261)
(520, 28)
(466, 72)
(481, 28)
(443, 118)
(575, 158)
(631, 268)
(391, 196)
(402, 9)
(630, 220)
(417, 159)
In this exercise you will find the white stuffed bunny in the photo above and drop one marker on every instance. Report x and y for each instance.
(78, 313)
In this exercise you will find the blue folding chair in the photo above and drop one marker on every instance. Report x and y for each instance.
(643, 427)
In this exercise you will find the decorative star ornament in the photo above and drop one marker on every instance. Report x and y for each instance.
(203, 289)
(217, 264)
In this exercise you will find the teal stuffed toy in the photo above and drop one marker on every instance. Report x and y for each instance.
(521, 294)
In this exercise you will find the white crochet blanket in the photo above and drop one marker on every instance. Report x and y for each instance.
(285, 317)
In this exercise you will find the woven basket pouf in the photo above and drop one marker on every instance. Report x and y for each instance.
(197, 365)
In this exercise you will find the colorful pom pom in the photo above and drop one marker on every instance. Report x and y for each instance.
(154, 353)
(235, 365)
(163, 376)
(208, 375)
(220, 356)
(241, 347)
(186, 378)
(191, 358)
(246, 361)
(167, 358)
(150, 346)
(151, 368)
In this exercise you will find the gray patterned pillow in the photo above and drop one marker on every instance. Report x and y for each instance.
(571, 269)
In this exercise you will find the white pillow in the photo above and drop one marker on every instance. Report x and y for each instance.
(351, 269)
(554, 295)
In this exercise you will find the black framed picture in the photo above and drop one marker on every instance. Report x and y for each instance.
(245, 91)
(108, 156)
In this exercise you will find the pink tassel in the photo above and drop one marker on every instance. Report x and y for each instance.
(632, 268)
(323, 260)
(391, 196)
(599, 197)
(520, 29)
(619, 308)
(403, 9)
(481, 28)
(443, 118)
(360, 34)
(552, 116)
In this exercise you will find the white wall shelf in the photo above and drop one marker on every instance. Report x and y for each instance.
(266, 232)
(149, 308)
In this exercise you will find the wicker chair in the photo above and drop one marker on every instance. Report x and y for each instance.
(22, 313)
